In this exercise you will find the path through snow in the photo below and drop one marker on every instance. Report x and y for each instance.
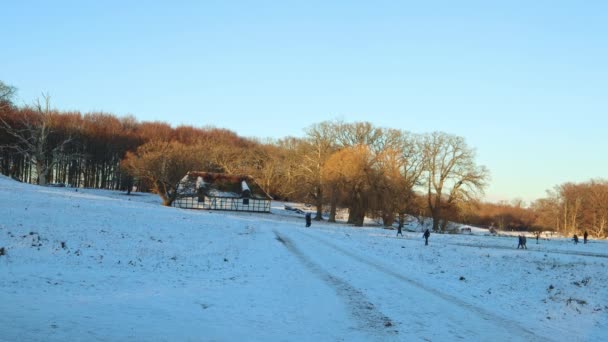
(423, 311)
(365, 313)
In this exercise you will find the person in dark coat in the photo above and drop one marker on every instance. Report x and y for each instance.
(523, 242)
(426, 235)
(575, 239)
(520, 241)
(308, 219)
(399, 231)
(585, 235)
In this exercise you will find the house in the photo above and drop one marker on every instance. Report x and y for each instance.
(219, 191)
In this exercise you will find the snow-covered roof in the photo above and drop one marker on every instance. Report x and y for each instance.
(221, 185)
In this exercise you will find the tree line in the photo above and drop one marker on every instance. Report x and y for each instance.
(378, 172)
(575, 207)
(569, 208)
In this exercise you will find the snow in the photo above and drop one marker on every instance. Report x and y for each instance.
(134, 270)
(219, 193)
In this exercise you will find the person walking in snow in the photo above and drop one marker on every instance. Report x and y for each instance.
(308, 219)
(585, 237)
(575, 239)
(399, 231)
(426, 235)
(519, 241)
(523, 242)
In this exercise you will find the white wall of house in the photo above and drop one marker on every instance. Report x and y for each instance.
(224, 203)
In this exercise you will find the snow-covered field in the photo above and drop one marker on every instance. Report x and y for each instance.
(86, 265)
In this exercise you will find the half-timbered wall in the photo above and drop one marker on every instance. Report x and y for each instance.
(223, 203)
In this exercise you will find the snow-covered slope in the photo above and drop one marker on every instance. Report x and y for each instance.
(100, 265)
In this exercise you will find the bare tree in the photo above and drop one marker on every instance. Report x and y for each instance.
(571, 197)
(318, 146)
(383, 167)
(31, 134)
(6, 94)
(363, 144)
(598, 215)
(451, 174)
(402, 164)
(263, 161)
(360, 133)
(354, 172)
(163, 165)
(573, 207)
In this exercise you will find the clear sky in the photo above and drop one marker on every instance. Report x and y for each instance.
(525, 82)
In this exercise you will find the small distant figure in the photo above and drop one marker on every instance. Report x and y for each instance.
(585, 235)
(537, 236)
(399, 231)
(523, 242)
(575, 239)
(426, 235)
(520, 241)
(308, 219)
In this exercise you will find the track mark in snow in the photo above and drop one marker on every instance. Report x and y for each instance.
(552, 251)
(480, 312)
(365, 312)
(280, 239)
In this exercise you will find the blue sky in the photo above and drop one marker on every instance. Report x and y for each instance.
(525, 82)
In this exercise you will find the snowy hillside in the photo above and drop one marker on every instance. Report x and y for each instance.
(100, 265)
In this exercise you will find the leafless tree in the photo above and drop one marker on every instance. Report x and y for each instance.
(598, 205)
(451, 174)
(32, 139)
(354, 171)
(410, 163)
(6, 94)
(572, 208)
(316, 149)
(163, 165)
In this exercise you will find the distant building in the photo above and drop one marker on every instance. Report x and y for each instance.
(219, 191)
